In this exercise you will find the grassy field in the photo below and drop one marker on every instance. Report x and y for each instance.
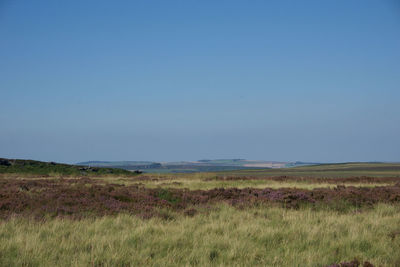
(323, 217)
(194, 184)
(207, 181)
(263, 236)
(325, 173)
(328, 170)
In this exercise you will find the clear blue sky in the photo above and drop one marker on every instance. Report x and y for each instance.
(187, 80)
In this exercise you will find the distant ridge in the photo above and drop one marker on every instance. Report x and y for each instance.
(113, 163)
(203, 165)
(127, 165)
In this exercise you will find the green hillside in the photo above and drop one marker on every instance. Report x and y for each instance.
(33, 167)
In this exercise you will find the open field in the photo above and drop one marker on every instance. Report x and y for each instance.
(271, 218)
(208, 181)
(258, 236)
(328, 170)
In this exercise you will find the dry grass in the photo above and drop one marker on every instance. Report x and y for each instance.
(194, 184)
(218, 235)
(262, 236)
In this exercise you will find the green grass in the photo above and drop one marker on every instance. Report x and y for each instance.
(39, 168)
(263, 236)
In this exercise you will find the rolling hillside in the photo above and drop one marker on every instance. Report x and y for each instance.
(33, 167)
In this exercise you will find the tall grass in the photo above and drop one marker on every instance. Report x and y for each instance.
(194, 184)
(221, 235)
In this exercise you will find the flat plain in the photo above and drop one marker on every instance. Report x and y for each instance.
(324, 215)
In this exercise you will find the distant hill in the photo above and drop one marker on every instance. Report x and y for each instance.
(127, 165)
(204, 165)
(33, 167)
(114, 163)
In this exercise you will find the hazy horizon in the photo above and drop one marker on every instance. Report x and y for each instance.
(312, 81)
(196, 160)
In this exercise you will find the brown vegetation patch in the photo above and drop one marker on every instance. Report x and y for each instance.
(77, 198)
(353, 263)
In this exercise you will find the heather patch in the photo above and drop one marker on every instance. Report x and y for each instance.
(77, 198)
